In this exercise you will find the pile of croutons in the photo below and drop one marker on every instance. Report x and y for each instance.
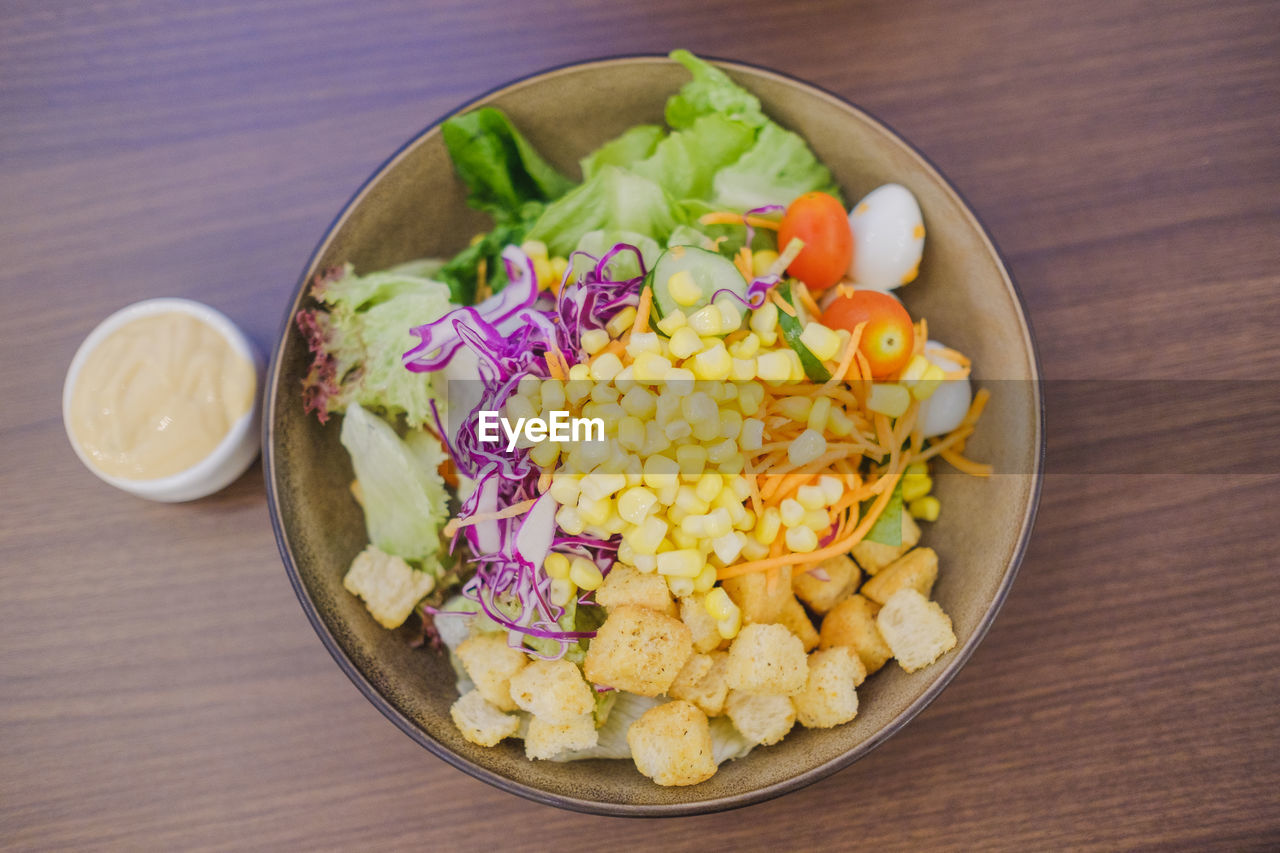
(779, 670)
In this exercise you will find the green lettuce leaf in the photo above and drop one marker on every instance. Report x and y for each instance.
(710, 91)
(777, 169)
(502, 171)
(614, 199)
(685, 163)
(888, 527)
(403, 494)
(358, 335)
(629, 148)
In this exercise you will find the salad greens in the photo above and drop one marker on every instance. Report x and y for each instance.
(403, 494)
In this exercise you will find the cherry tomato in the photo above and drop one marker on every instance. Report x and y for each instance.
(888, 337)
(821, 222)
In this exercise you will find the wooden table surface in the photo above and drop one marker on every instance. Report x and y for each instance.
(159, 685)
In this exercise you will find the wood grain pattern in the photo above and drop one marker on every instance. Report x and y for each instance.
(159, 685)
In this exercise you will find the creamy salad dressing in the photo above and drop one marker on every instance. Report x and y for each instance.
(158, 395)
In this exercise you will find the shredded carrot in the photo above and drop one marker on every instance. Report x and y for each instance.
(482, 280)
(642, 311)
(975, 408)
(728, 217)
(553, 365)
(742, 260)
(734, 337)
(806, 299)
(750, 475)
(849, 351)
(966, 465)
(781, 303)
(948, 353)
(455, 524)
(953, 438)
(841, 545)
(616, 347)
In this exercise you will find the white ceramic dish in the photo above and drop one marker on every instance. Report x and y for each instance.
(238, 448)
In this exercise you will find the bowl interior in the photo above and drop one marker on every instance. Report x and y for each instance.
(415, 207)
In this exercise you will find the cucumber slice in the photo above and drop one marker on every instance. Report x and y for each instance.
(710, 272)
(791, 330)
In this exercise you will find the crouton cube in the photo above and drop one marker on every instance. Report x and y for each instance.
(480, 722)
(759, 599)
(546, 740)
(638, 650)
(625, 585)
(915, 628)
(829, 697)
(553, 690)
(873, 556)
(491, 662)
(671, 744)
(795, 620)
(767, 659)
(852, 623)
(762, 718)
(916, 570)
(702, 682)
(842, 577)
(693, 612)
(389, 586)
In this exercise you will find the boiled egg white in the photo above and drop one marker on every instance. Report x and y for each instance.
(888, 238)
(945, 409)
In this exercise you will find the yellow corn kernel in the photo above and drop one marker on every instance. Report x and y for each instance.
(684, 342)
(709, 486)
(750, 398)
(741, 369)
(838, 423)
(639, 402)
(888, 399)
(797, 369)
(748, 347)
(806, 448)
(691, 460)
(764, 322)
(801, 540)
(718, 604)
(811, 497)
(643, 342)
(625, 380)
(933, 376)
(631, 433)
(747, 522)
(729, 628)
(677, 430)
(733, 463)
(707, 320)
(650, 367)
(647, 563)
(730, 424)
(718, 523)
(679, 381)
(728, 546)
(916, 486)
(552, 394)
(821, 341)
(580, 372)
(659, 470)
(739, 487)
(559, 267)
(753, 549)
(917, 468)
(635, 504)
(543, 273)
(698, 407)
(565, 489)
(914, 371)
(544, 454)
(791, 512)
(721, 452)
(818, 414)
(680, 587)
(705, 579)
(925, 509)
(620, 322)
(594, 340)
(594, 511)
(768, 525)
(534, 248)
(684, 290)
(568, 520)
(687, 499)
(694, 524)
(832, 489)
(713, 364)
(654, 440)
(773, 366)
(670, 323)
(518, 406)
(597, 485)
(816, 520)
(794, 408)
(602, 392)
(562, 592)
(646, 536)
(730, 315)
(556, 566)
(761, 261)
(585, 573)
(576, 389)
(682, 563)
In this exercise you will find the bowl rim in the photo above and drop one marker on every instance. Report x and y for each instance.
(719, 804)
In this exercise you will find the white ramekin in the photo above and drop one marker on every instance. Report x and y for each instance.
(238, 448)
